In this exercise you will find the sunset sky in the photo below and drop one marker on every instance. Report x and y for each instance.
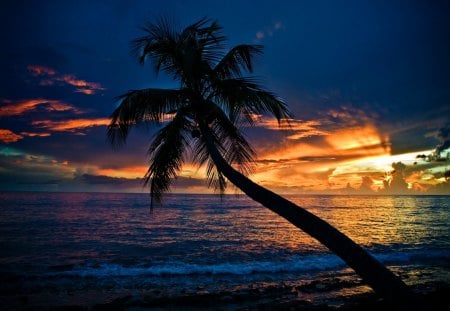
(368, 83)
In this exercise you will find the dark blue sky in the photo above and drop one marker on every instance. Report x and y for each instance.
(382, 62)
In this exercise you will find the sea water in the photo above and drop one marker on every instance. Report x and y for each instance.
(61, 247)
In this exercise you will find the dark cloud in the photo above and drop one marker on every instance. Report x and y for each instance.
(188, 182)
(45, 182)
(136, 183)
(106, 180)
(444, 135)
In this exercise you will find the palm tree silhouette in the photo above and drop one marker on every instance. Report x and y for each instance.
(202, 121)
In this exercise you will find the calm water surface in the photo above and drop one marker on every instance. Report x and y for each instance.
(70, 244)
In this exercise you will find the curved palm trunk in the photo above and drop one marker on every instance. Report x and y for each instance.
(383, 281)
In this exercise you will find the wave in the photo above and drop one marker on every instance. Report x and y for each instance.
(298, 264)
(417, 256)
(309, 263)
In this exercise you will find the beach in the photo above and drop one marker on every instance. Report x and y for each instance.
(253, 297)
(97, 251)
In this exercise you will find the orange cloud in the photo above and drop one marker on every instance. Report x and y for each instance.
(347, 146)
(191, 179)
(295, 165)
(188, 170)
(359, 139)
(299, 129)
(15, 108)
(334, 159)
(7, 136)
(123, 172)
(38, 70)
(70, 125)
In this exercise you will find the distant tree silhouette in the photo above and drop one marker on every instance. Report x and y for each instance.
(447, 175)
(201, 121)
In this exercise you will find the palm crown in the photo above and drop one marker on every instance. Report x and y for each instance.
(213, 91)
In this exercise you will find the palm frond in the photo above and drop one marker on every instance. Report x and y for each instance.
(159, 43)
(201, 156)
(166, 154)
(239, 58)
(245, 97)
(231, 144)
(180, 53)
(216, 180)
(209, 39)
(137, 106)
(236, 149)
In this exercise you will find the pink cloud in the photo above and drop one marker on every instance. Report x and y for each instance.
(268, 31)
(38, 70)
(49, 77)
(84, 87)
(85, 91)
(33, 134)
(8, 136)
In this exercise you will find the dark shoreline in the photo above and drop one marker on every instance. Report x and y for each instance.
(285, 297)
(274, 299)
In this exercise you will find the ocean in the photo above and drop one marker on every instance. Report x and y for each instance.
(61, 249)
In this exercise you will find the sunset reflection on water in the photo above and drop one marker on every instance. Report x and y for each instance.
(109, 243)
(386, 220)
(126, 220)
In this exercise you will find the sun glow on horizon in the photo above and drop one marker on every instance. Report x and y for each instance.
(130, 172)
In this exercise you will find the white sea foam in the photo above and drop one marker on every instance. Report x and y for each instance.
(297, 264)
(310, 263)
(413, 255)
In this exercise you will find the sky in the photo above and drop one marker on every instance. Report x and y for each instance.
(368, 83)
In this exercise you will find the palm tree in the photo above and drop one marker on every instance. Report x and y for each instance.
(202, 120)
